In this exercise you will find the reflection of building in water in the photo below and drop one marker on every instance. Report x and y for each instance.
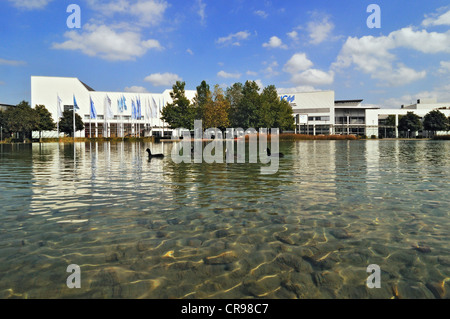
(70, 178)
(315, 169)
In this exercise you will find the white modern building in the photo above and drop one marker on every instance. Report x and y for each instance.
(378, 119)
(113, 123)
(315, 113)
(319, 113)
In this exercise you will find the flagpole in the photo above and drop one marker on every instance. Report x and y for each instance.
(58, 111)
(57, 115)
(73, 111)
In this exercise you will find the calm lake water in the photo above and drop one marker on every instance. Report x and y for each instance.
(157, 229)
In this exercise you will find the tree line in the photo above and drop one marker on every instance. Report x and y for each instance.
(19, 121)
(433, 122)
(240, 105)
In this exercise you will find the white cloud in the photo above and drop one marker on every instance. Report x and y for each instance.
(422, 41)
(234, 38)
(201, 11)
(275, 42)
(30, 4)
(251, 73)
(445, 67)
(372, 55)
(164, 79)
(368, 53)
(319, 31)
(293, 35)
(261, 13)
(436, 19)
(298, 62)
(313, 77)
(190, 51)
(441, 94)
(401, 75)
(136, 89)
(270, 70)
(227, 75)
(302, 73)
(104, 42)
(296, 89)
(11, 62)
(147, 12)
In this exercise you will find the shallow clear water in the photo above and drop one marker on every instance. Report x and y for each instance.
(141, 229)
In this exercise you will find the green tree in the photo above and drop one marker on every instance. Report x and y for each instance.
(410, 122)
(274, 112)
(20, 119)
(180, 113)
(234, 96)
(435, 121)
(2, 123)
(284, 118)
(66, 123)
(216, 110)
(246, 112)
(202, 97)
(390, 121)
(44, 120)
(268, 107)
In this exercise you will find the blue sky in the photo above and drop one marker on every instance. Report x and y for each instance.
(146, 45)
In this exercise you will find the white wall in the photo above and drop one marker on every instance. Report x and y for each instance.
(45, 90)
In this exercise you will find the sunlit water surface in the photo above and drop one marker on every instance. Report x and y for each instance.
(157, 229)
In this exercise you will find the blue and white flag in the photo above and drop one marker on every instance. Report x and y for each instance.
(75, 105)
(154, 108)
(124, 102)
(133, 110)
(138, 108)
(107, 106)
(93, 111)
(147, 110)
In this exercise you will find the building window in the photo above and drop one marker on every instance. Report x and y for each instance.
(68, 107)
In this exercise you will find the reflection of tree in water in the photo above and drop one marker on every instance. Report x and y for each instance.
(204, 180)
(43, 153)
(410, 152)
(436, 152)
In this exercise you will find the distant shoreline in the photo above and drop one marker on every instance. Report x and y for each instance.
(282, 137)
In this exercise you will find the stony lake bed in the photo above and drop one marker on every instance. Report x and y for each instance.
(156, 229)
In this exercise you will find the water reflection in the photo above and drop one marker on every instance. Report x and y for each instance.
(156, 229)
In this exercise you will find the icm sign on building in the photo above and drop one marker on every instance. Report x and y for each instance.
(290, 99)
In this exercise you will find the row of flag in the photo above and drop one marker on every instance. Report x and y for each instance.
(151, 108)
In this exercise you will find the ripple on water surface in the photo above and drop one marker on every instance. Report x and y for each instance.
(157, 229)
